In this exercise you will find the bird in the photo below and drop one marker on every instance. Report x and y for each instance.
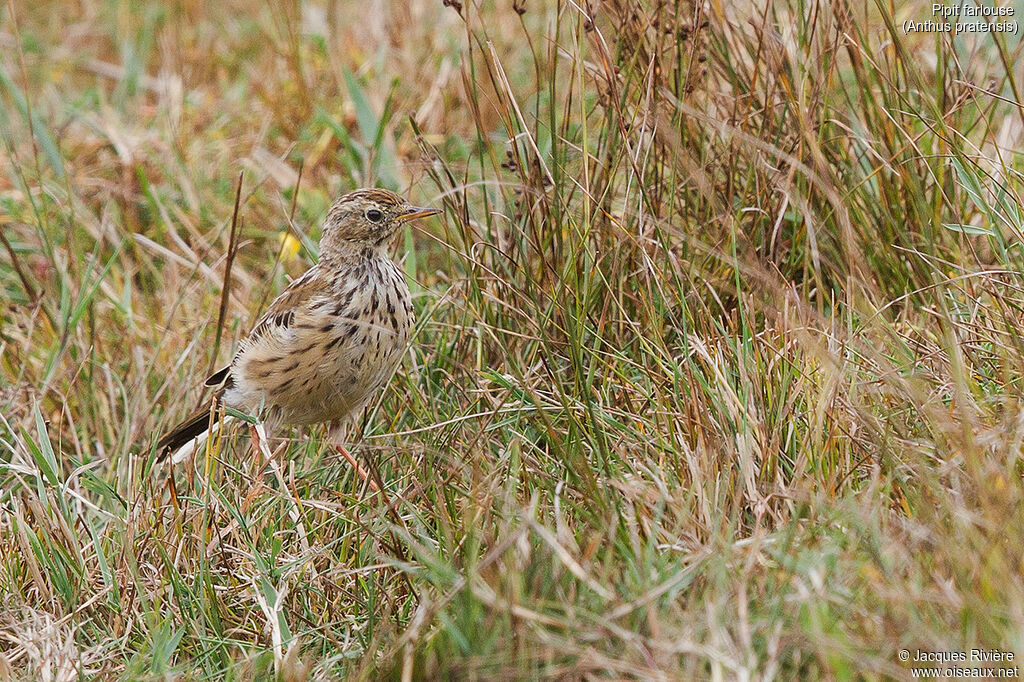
(331, 340)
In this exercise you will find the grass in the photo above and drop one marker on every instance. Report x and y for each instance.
(717, 372)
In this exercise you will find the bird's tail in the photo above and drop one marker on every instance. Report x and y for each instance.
(185, 434)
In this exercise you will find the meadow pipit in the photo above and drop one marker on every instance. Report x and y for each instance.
(331, 340)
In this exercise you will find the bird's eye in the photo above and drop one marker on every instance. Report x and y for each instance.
(374, 216)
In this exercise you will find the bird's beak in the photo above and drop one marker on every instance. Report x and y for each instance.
(416, 212)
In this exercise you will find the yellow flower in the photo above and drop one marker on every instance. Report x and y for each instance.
(289, 245)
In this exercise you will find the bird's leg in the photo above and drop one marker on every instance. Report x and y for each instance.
(355, 465)
(336, 434)
(374, 480)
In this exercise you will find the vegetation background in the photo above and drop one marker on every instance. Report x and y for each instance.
(718, 369)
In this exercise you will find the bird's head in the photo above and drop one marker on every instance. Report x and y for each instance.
(366, 218)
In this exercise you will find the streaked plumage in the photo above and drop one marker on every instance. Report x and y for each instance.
(331, 340)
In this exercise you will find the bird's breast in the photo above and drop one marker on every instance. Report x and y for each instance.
(335, 355)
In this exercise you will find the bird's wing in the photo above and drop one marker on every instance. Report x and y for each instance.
(294, 307)
(295, 301)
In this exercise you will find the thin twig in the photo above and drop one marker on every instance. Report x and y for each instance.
(289, 230)
(226, 289)
(295, 196)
